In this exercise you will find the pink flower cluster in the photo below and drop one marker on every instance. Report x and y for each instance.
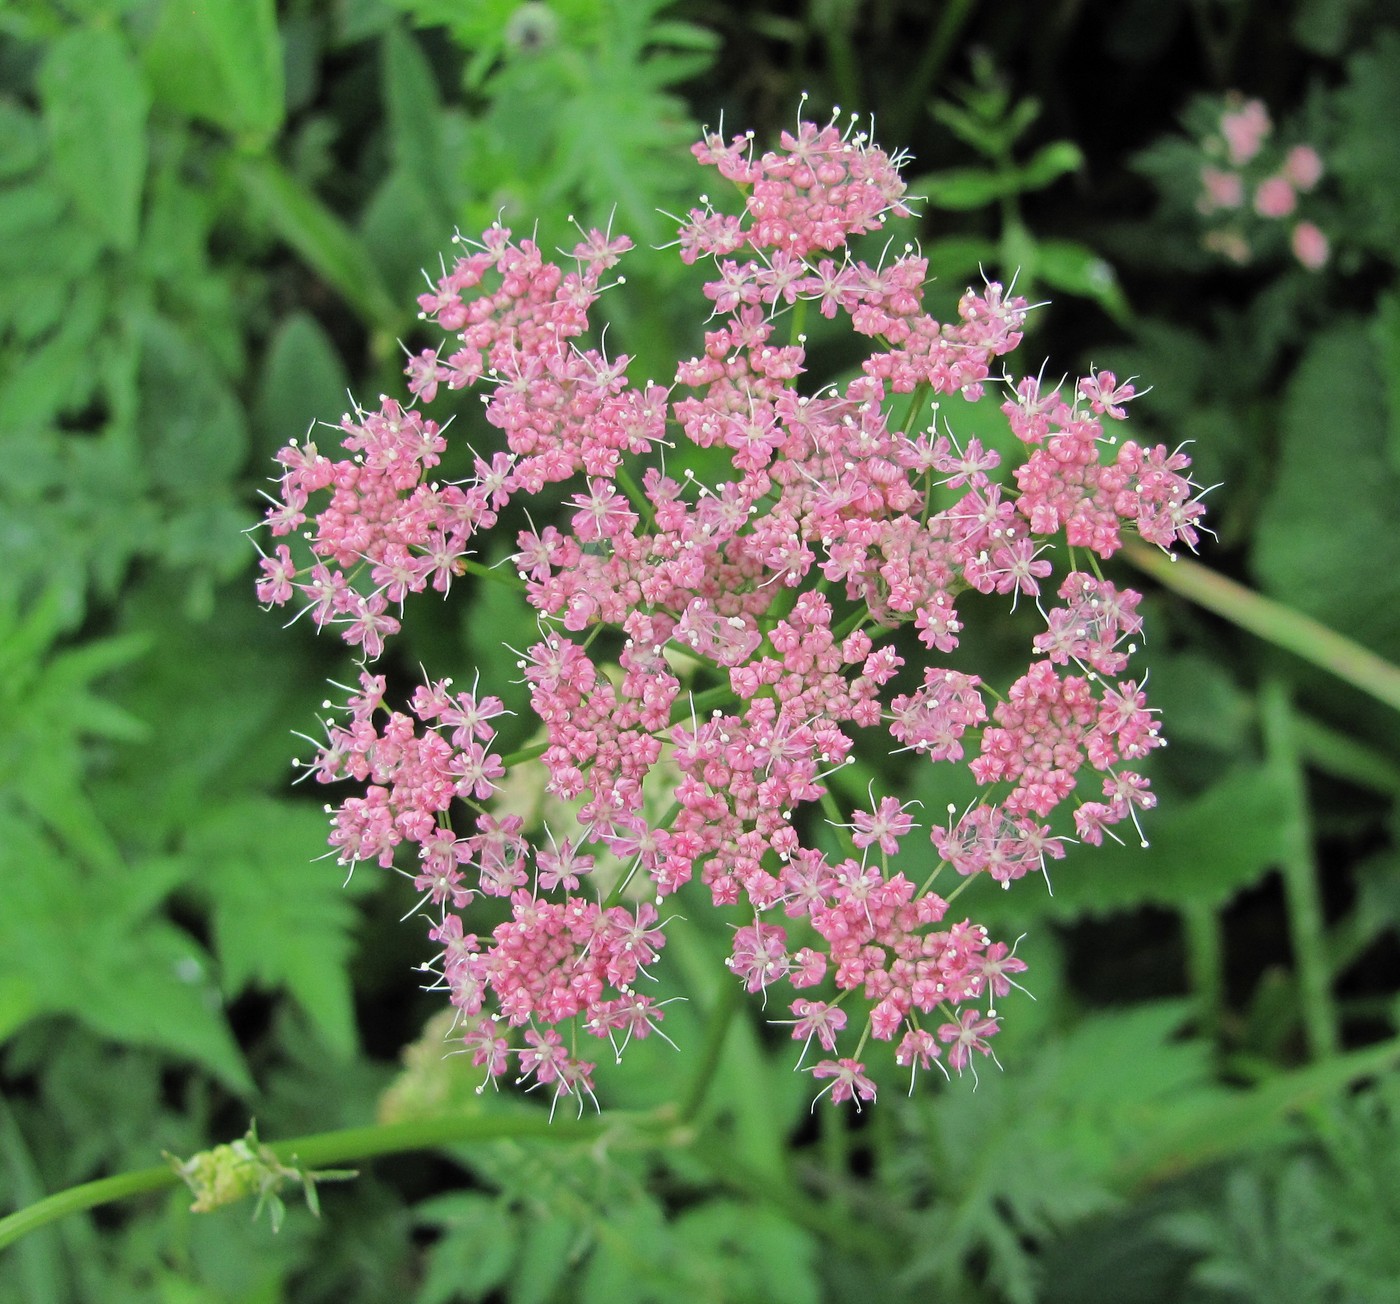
(1247, 180)
(718, 649)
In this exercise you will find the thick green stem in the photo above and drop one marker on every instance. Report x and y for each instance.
(1271, 621)
(347, 1145)
(1205, 966)
(1306, 925)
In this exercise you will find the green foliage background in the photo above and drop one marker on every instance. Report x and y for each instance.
(212, 223)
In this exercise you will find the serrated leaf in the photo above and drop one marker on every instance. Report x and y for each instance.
(95, 104)
(101, 953)
(1204, 851)
(633, 1260)
(544, 1259)
(476, 1251)
(198, 440)
(148, 987)
(1326, 541)
(225, 698)
(748, 1251)
(1367, 156)
(280, 913)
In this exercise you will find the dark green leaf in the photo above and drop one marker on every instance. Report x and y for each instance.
(327, 245)
(1385, 335)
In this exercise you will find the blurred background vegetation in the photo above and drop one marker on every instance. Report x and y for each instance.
(212, 223)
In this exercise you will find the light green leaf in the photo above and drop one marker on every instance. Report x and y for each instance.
(1049, 163)
(1076, 269)
(475, 1251)
(414, 106)
(966, 188)
(221, 61)
(1204, 850)
(281, 915)
(191, 425)
(21, 140)
(99, 951)
(95, 104)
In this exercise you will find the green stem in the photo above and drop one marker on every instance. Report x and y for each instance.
(1345, 757)
(730, 995)
(1205, 964)
(1306, 925)
(919, 85)
(329, 1148)
(496, 575)
(1271, 621)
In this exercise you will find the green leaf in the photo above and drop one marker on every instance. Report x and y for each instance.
(225, 698)
(958, 260)
(414, 107)
(281, 915)
(101, 953)
(544, 1260)
(95, 104)
(1204, 850)
(148, 987)
(1367, 155)
(748, 1252)
(1076, 269)
(1385, 336)
(192, 427)
(1326, 541)
(1049, 163)
(303, 381)
(1237, 1120)
(21, 140)
(322, 239)
(476, 1250)
(221, 61)
(966, 188)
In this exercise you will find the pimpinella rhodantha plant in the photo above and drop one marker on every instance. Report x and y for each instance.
(711, 647)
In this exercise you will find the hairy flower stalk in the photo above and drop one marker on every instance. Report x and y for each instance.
(778, 589)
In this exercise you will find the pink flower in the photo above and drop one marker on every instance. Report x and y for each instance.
(1303, 167)
(1244, 129)
(768, 591)
(1310, 246)
(1221, 189)
(848, 1081)
(1275, 197)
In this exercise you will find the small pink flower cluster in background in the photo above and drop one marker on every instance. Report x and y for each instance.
(1247, 179)
(717, 650)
